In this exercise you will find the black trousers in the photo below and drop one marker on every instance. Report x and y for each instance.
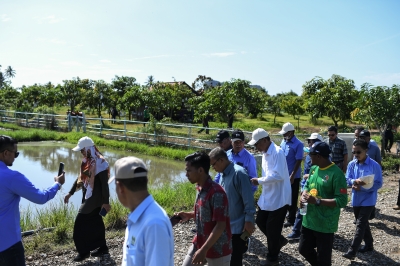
(363, 232)
(239, 247)
(309, 240)
(295, 195)
(13, 256)
(271, 223)
(89, 232)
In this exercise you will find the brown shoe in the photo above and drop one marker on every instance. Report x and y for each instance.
(396, 207)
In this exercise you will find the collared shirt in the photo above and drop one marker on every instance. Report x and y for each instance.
(339, 149)
(13, 186)
(211, 207)
(149, 239)
(293, 150)
(236, 184)
(245, 159)
(374, 152)
(355, 170)
(325, 183)
(275, 180)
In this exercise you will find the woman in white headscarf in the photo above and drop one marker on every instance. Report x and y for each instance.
(89, 230)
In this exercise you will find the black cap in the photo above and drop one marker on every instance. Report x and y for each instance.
(223, 134)
(321, 148)
(237, 135)
(332, 128)
(365, 133)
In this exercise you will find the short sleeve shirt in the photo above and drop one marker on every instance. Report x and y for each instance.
(339, 149)
(293, 150)
(212, 207)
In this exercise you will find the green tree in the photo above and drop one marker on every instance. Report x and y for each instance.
(133, 98)
(274, 106)
(97, 96)
(5, 77)
(72, 91)
(9, 97)
(378, 106)
(294, 106)
(255, 100)
(150, 81)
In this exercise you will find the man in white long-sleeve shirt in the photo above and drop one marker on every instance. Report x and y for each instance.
(276, 193)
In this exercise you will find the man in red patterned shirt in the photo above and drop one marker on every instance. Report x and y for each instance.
(212, 243)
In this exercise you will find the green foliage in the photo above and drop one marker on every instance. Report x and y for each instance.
(390, 163)
(116, 218)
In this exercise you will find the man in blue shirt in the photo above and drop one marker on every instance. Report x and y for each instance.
(224, 140)
(239, 155)
(149, 239)
(293, 149)
(365, 177)
(235, 181)
(373, 151)
(13, 186)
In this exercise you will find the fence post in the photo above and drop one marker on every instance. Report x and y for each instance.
(69, 122)
(84, 122)
(77, 122)
(101, 125)
(189, 136)
(26, 120)
(125, 128)
(155, 133)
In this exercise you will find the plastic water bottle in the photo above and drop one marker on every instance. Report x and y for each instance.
(303, 210)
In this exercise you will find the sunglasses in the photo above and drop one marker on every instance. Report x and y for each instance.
(356, 152)
(313, 153)
(16, 153)
(331, 135)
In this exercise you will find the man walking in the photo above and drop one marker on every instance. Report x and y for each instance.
(338, 148)
(224, 140)
(293, 149)
(325, 193)
(13, 186)
(357, 132)
(364, 195)
(212, 242)
(276, 193)
(239, 155)
(373, 151)
(235, 181)
(149, 239)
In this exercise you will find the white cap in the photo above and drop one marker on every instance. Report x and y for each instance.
(316, 136)
(83, 143)
(286, 128)
(125, 168)
(257, 134)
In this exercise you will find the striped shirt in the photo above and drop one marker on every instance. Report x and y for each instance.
(339, 149)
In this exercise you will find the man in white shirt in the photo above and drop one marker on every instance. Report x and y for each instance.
(149, 240)
(276, 193)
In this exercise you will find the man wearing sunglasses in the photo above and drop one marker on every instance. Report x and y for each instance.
(339, 149)
(13, 186)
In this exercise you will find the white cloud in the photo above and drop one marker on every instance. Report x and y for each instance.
(49, 19)
(150, 57)
(383, 79)
(4, 18)
(105, 61)
(225, 54)
(70, 63)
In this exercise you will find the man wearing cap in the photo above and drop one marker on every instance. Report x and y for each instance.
(235, 181)
(149, 239)
(325, 192)
(293, 149)
(338, 147)
(224, 141)
(276, 193)
(373, 151)
(357, 132)
(13, 186)
(212, 242)
(363, 196)
(296, 230)
(239, 155)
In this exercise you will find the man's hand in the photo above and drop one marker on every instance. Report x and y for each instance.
(66, 198)
(254, 181)
(60, 179)
(359, 182)
(305, 177)
(106, 206)
(292, 178)
(199, 257)
(186, 216)
(356, 187)
(305, 197)
(249, 227)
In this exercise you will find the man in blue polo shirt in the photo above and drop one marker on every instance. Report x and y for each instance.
(373, 151)
(293, 149)
(239, 155)
(13, 186)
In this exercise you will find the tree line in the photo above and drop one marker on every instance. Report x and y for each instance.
(336, 97)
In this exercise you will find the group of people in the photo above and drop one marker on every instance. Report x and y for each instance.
(224, 211)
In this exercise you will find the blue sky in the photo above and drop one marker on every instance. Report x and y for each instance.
(278, 45)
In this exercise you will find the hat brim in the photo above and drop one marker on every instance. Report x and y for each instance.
(77, 148)
(233, 140)
(282, 132)
(218, 140)
(252, 142)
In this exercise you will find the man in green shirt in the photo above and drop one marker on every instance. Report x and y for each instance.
(325, 193)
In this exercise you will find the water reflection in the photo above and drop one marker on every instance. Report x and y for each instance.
(39, 162)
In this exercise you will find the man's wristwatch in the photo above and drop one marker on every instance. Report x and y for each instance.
(317, 201)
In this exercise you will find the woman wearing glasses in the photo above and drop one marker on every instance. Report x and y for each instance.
(364, 175)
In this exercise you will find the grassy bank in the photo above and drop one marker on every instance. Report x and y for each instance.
(28, 134)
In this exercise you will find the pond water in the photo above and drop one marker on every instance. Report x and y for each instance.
(39, 162)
